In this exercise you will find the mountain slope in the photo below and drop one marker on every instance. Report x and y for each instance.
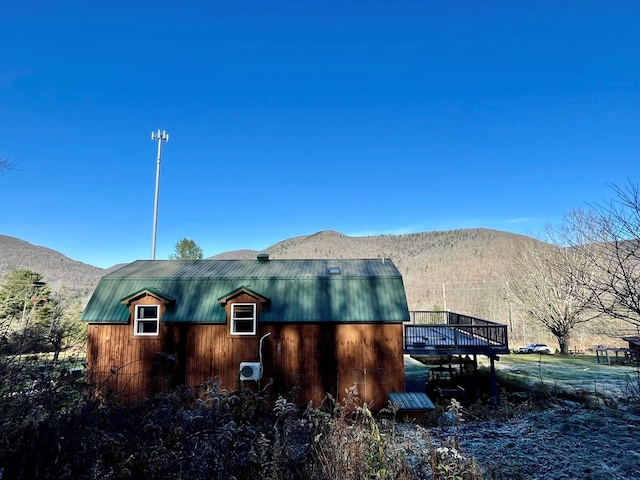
(462, 270)
(58, 271)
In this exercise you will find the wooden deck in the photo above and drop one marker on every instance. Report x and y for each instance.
(449, 333)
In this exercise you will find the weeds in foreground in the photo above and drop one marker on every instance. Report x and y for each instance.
(447, 461)
(348, 443)
(54, 432)
(633, 388)
(351, 443)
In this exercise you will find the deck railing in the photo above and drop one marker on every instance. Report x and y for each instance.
(449, 329)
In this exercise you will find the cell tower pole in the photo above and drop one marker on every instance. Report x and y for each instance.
(160, 137)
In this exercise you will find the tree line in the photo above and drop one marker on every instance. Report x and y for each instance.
(586, 271)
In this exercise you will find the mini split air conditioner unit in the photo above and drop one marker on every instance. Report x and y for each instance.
(250, 371)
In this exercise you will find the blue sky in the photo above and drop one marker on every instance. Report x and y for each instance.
(288, 117)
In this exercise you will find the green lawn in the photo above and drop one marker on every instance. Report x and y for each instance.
(415, 375)
(581, 373)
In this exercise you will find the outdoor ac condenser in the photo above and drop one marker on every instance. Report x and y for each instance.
(250, 371)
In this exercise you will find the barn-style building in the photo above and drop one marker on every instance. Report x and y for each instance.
(299, 327)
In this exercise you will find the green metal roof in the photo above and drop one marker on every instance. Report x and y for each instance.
(364, 291)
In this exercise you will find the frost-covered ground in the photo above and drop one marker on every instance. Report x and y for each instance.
(564, 442)
(569, 442)
(594, 439)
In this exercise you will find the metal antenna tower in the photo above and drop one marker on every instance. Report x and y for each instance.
(161, 137)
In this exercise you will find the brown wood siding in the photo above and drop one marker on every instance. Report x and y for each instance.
(131, 366)
(370, 356)
(122, 364)
(214, 354)
(302, 362)
(309, 361)
(299, 364)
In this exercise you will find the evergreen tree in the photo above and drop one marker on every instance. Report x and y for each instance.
(26, 306)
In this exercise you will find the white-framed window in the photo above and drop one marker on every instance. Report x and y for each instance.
(243, 319)
(147, 320)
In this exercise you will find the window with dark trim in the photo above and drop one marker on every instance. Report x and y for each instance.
(147, 320)
(243, 319)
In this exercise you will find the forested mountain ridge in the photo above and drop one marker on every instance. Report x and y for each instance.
(462, 270)
(57, 270)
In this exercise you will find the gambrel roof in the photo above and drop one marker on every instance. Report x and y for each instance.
(345, 291)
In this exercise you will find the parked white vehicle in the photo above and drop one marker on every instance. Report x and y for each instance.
(536, 348)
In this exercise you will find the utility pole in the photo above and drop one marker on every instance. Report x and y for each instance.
(161, 137)
(444, 296)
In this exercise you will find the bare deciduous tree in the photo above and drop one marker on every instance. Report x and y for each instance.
(6, 164)
(553, 285)
(613, 251)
